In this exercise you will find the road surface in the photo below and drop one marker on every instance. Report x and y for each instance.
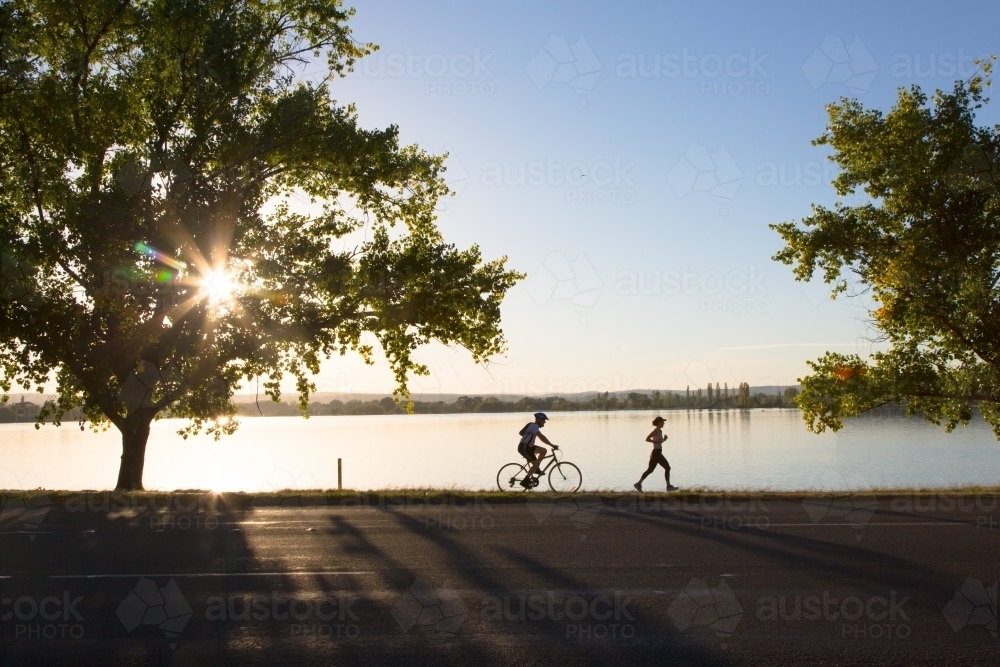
(624, 580)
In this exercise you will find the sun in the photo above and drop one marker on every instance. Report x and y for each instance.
(218, 286)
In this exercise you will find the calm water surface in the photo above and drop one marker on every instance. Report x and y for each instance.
(719, 449)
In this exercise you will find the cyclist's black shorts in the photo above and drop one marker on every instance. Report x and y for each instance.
(527, 451)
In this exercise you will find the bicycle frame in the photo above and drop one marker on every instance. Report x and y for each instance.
(542, 469)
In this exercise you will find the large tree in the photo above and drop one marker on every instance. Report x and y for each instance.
(181, 211)
(925, 246)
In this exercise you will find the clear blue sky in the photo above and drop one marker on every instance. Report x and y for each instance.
(629, 157)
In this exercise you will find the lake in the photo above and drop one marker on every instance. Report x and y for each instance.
(721, 449)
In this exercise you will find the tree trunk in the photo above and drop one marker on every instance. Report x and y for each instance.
(134, 437)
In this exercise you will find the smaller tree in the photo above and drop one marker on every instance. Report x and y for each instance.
(925, 247)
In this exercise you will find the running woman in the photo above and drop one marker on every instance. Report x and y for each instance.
(656, 457)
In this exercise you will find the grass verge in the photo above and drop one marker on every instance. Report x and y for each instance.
(373, 497)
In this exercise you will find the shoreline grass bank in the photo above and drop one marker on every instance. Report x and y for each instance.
(361, 498)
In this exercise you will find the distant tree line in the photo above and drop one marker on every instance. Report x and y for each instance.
(712, 397)
(742, 399)
(26, 411)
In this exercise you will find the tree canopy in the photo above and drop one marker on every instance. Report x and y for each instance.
(182, 211)
(926, 248)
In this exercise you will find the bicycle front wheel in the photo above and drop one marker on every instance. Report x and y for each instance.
(510, 476)
(565, 478)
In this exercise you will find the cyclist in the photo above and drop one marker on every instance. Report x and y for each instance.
(529, 450)
(656, 437)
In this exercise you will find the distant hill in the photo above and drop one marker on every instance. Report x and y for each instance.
(25, 407)
(326, 397)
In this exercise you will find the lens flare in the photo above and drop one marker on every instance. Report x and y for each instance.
(218, 286)
(158, 256)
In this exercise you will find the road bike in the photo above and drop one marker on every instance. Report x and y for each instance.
(564, 477)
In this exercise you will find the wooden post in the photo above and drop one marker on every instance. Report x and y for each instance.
(340, 474)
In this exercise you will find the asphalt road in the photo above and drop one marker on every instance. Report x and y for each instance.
(574, 581)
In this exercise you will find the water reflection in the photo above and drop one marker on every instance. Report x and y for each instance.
(723, 448)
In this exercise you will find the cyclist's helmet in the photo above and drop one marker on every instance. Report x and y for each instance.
(541, 415)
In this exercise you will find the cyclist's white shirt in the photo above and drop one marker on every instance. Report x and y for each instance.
(530, 434)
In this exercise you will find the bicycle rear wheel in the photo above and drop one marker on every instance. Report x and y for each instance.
(565, 478)
(510, 476)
